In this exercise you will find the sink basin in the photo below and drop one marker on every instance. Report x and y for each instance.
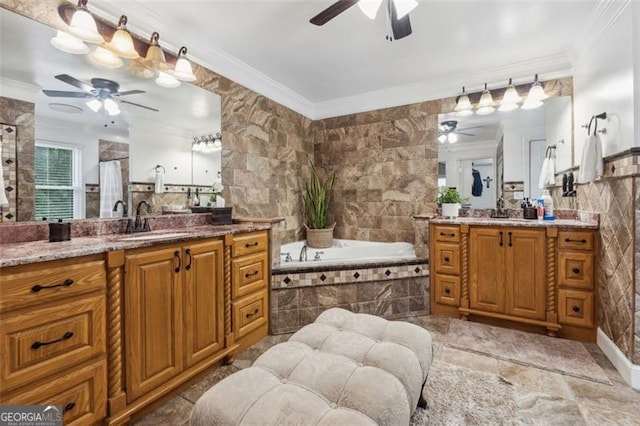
(147, 237)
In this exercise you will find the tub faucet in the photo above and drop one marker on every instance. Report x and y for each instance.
(303, 253)
(317, 256)
(124, 207)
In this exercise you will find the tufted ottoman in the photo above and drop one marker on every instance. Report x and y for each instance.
(346, 368)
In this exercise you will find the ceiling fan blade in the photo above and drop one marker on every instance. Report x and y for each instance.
(466, 134)
(65, 94)
(400, 27)
(138, 105)
(472, 127)
(332, 11)
(74, 82)
(129, 92)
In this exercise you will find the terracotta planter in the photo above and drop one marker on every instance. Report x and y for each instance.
(320, 238)
(450, 209)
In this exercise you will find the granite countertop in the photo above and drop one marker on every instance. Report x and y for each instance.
(12, 254)
(557, 223)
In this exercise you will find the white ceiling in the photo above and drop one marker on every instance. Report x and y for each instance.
(347, 65)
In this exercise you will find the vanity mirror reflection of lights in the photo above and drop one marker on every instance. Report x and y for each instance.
(503, 152)
(138, 137)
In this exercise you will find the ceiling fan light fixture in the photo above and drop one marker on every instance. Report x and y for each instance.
(183, 70)
(452, 138)
(94, 104)
(166, 80)
(111, 107)
(442, 138)
(68, 43)
(370, 7)
(104, 57)
(83, 25)
(122, 43)
(403, 7)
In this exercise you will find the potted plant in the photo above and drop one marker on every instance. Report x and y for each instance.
(450, 200)
(316, 198)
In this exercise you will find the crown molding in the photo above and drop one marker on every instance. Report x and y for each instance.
(18, 90)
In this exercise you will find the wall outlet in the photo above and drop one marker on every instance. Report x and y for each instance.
(518, 195)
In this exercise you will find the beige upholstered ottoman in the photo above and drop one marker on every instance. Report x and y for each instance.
(346, 368)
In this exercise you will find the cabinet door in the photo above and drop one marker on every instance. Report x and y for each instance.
(486, 269)
(203, 300)
(153, 319)
(525, 272)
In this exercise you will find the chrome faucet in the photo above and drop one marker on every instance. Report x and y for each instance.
(124, 208)
(139, 225)
(303, 253)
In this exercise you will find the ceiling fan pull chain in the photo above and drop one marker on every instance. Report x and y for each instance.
(389, 35)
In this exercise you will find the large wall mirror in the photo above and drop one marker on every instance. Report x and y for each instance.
(78, 146)
(484, 155)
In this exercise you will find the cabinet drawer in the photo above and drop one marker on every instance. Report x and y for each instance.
(447, 258)
(249, 274)
(45, 282)
(81, 393)
(575, 308)
(447, 290)
(252, 242)
(575, 269)
(446, 233)
(42, 342)
(575, 240)
(249, 313)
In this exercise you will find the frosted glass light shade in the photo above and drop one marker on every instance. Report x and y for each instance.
(165, 80)
(94, 104)
(104, 57)
(122, 45)
(69, 43)
(485, 106)
(463, 103)
(403, 7)
(155, 59)
(111, 107)
(183, 70)
(510, 99)
(442, 138)
(370, 7)
(536, 93)
(84, 27)
(452, 138)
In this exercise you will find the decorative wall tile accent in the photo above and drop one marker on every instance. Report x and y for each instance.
(8, 138)
(509, 190)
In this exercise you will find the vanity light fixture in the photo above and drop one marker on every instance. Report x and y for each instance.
(122, 43)
(104, 57)
(510, 99)
(183, 70)
(206, 144)
(69, 43)
(155, 56)
(83, 25)
(463, 106)
(536, 95)
(485, 106)
(166, 80)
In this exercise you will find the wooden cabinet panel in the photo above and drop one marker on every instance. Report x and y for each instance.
(26, 285)
(447, 258)
(575, 269)
(153, 308)
(576, 240)
(486, 269)
(204, 300)
(575, 308)
(39, 343)
(81, 392)
(525, 273)
(249, 313)
(252, 242)
(446, 233)
(250, 273)
(447, 290)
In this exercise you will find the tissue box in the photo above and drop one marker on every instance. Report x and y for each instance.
(222, 216)
(59, 231)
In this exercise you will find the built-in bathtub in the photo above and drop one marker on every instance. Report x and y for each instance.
(385, 279)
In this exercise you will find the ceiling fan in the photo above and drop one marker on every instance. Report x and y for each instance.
(448, 131)
(104, 92)
(397, 12)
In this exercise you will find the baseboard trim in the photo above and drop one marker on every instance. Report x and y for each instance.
(629, 371)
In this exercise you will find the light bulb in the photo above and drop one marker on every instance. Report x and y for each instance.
(403, 7)
(69, 44)
(84, 26)
(370, 7)
(94, 104)
(165, 80)
(104, 57)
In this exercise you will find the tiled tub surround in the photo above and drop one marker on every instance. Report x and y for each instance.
(391, 290)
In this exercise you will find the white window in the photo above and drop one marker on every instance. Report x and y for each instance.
(59, 192)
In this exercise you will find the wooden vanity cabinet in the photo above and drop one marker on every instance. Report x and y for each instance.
(53, 337)
(445, 268)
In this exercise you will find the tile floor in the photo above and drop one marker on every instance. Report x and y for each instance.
(465, 388)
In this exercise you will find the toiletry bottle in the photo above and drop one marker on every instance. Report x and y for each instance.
(548, 205)
(540, 209)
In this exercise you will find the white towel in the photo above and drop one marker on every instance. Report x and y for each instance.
(542, 180)
(591, 166)
(3, 197)
(551, 173)
(110, 187)
(159, 182)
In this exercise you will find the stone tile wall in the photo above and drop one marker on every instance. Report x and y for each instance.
(389, 291)
(8, 141)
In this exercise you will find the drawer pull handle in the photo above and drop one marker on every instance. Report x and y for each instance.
(576, 270)
(36, 288)
(446, 259)
(176, 254)
(188, 265)
(510, 243)
(37, 344)
(447, 291)
(253, 244)
(70, 406)
(249, 315)
(576, 309)
(569, 240)
(250, 274)
(442, 234)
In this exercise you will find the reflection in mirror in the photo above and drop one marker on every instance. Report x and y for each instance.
(94, 144)
(506, 149)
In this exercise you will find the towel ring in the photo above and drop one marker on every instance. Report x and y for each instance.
(160, 167)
